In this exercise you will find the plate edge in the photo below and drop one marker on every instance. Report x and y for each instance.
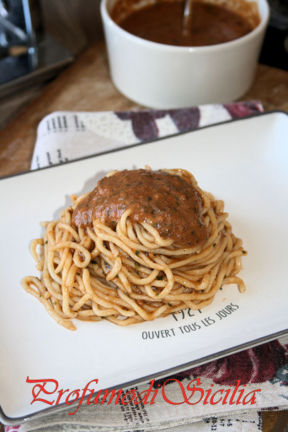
(10, 421)
(138, 144)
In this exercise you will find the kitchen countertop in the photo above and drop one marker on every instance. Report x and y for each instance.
(86, 86)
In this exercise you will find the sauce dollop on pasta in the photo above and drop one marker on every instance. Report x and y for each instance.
(168, 202)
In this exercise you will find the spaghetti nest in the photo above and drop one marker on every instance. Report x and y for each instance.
(129, 273)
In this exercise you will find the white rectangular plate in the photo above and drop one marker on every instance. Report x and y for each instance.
(244, 162)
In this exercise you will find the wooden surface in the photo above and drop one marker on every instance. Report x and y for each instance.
(86, 86)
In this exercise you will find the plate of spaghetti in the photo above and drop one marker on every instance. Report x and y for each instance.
(142, 245)
(143, 262)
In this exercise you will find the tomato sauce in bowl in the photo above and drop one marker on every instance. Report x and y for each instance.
(162, 22)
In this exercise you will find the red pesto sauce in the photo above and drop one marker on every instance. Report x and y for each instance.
(162, 22)
(166, 201)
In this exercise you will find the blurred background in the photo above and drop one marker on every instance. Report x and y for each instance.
(38, 38)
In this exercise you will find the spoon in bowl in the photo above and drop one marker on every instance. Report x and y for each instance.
(187, 16)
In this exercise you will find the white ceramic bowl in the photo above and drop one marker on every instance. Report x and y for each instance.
(166, 76)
